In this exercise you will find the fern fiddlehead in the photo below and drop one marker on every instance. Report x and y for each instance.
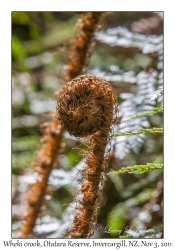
(86, 108)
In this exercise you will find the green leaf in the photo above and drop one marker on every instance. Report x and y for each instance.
(18, 50)
(146, 113)
(25, 143)
(138, 169)
(154, 131)
(116, 221)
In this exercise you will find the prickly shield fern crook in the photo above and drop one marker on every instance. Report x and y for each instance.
(86, 108)
(86, 105)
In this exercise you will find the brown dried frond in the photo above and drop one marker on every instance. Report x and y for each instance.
(151, 25)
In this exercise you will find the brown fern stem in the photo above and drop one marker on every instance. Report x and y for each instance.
(45, 161)
(83, 45)
(83, 221)
(48, 153)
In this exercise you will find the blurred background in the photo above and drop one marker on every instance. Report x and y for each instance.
(128, 54)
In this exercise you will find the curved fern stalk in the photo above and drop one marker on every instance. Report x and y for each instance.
(86, 109)
(138, 169)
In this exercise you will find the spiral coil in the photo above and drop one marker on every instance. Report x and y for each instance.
(86, 105)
